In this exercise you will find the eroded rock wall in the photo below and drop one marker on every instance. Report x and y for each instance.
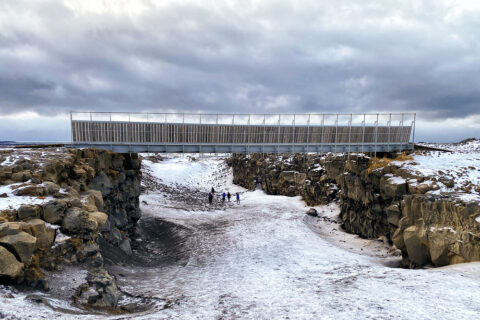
(375, 201)
(62, 202)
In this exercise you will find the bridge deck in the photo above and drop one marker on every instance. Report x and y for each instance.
(140, 136)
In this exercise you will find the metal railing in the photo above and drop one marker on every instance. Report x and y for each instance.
(308, 132)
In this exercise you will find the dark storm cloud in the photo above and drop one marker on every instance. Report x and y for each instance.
(245, 56)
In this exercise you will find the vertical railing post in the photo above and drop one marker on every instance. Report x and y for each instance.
(389, 130)
(110, 125)
(401, 131)
(90, 131)
(264, 133)
(184, 138)
(376, 136)
(414, 123)
(349, 135)
(293, 134)
(322, 138)
(308, 134)
(233, 129)
(71, 128)
(336, 134)
(278, 134)
(363, 134)
(218, 131)
(247, 134)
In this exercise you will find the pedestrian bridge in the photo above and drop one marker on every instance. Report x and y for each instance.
(242, 133)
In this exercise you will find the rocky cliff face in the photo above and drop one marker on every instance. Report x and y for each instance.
(55, 207)
(376, 200)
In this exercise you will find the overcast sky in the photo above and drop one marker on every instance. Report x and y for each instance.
(239, 56)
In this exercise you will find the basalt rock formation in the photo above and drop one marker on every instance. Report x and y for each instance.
(375, 200)
(59, 204)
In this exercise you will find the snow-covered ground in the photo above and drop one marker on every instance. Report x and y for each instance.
(264, 259)
(455, 172)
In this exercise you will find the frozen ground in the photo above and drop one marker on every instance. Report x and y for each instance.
(455, 172)
(263, 259)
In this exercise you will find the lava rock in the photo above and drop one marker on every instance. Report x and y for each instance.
(28, 211)
(312, 212)
(22, 244)
(10, 267)
(45, 236)
(54, 211)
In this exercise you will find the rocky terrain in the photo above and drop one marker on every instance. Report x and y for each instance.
(261, 259)
(426, 204)
(58, 208)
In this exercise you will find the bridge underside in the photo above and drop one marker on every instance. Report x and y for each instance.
(246, 148)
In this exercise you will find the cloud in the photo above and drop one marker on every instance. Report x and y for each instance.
(241, 56)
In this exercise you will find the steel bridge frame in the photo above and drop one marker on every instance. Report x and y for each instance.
(385, 144)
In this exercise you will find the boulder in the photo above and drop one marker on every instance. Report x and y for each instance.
(28, 211)
(21, 176)
(420, 188)
(100, 291)
(312, 212)
(99, 217)
(300, 178)
(80, 222)
(115, 236)
(11, 228)
(45, 236)
(417, 251)
(393, 214)
(287, 176)
(125, 246)
(80, 172)
(398, 240)
(9, 265)
(95, 198)
(22, 244)
(31, 190)
(54, 211)
(392, 187)
(50, 187)
(439, 241)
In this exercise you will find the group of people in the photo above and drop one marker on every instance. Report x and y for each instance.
(224, 195)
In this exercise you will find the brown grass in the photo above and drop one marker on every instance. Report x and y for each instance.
(377, 163)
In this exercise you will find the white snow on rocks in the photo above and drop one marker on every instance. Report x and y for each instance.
(12, 201)
(460, 169)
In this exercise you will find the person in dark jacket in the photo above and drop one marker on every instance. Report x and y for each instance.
(238, 198)
(223, 197)
(210, 197)
(212, 191)
(229, 196)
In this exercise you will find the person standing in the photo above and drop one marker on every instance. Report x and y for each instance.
(223, 197)
(212, 191)
(238, 198)
(210, 198)
(229, 196)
